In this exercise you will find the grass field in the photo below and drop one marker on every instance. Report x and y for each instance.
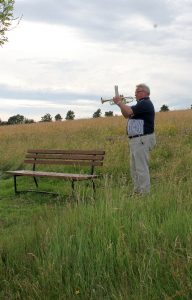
(104, 246)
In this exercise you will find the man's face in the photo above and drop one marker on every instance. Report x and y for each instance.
(139, 93)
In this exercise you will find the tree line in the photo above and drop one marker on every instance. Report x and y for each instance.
(20, 119)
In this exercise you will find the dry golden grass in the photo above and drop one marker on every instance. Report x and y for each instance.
(107, 133)
(179, 119)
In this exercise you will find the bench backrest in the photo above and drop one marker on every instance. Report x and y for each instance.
(65, 157)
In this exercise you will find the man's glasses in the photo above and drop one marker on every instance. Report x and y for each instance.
(138, 92)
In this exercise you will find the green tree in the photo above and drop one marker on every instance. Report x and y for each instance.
(164, 108)
(70, 115)
(6, 19)
(17, 119)
(109, 113)
(58, 117)
(28, 121)
(97, 113)
(46, 118)
(2, 123)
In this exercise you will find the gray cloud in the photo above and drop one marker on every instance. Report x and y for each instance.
(18, 93)
(95, 13)
(110, 20)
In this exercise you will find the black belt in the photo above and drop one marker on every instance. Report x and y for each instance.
(134, 136)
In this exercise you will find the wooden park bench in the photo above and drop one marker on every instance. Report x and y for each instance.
(74, 158)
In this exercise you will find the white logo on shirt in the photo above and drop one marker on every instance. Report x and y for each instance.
(135, 127)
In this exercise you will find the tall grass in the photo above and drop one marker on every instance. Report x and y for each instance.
(106, 246)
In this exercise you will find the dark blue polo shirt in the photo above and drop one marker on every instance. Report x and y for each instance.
(144, 110)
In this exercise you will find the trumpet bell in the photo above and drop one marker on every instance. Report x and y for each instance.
(102, 100)
(106, 100)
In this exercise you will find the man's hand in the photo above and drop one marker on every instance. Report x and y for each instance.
(125, 109)
(117, 99)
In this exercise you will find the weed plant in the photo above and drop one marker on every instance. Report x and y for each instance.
(103, 246)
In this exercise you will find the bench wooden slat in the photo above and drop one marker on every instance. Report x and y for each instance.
(67, 163)
(69, 157)
(83, 152)
(53, 175)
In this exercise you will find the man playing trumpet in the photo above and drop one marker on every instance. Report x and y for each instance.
(140, 129)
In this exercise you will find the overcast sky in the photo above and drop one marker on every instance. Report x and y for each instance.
(66, 55)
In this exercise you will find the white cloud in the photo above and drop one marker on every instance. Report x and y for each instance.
(86, 101)
(9, 103)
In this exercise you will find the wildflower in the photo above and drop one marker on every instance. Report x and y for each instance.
(77, 292)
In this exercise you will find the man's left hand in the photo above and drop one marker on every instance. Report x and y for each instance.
(116, 99)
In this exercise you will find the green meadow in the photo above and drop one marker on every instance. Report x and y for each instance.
(104, 245)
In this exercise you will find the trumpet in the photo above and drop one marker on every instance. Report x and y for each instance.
(123, 99)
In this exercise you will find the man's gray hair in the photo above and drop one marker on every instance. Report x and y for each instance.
(144, 87)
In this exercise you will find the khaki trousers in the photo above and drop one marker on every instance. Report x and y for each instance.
(139, 162)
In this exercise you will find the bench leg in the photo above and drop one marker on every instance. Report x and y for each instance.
(15, 184)
(35, 181)
(94, 186)
(30, 190)
(73, 191)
